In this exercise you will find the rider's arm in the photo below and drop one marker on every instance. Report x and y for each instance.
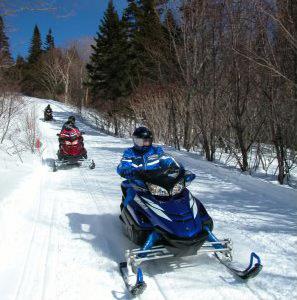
(165, 160)
(126, 167)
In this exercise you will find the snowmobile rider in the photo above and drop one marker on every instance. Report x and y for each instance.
(70, 123)
(48, 109)
(142, 156)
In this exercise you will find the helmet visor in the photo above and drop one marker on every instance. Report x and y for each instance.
(142, 142)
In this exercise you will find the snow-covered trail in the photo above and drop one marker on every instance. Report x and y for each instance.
(61, 237)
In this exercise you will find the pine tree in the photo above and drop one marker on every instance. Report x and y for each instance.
(108, 69)
(49, 41)
(130, 24)
(5, 56)
(35, 48)
(146, 35)
(130, 17)
(30, 85)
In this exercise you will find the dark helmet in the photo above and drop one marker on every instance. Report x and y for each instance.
(71, 119)
(142, 139)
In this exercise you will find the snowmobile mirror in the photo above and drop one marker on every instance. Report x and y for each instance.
(189, 177)
(58, 134)
(82, 132)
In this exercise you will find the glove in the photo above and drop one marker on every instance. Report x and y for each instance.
(129, 174)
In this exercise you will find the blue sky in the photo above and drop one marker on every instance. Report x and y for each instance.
(72, 19)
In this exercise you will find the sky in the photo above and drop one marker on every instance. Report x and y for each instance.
(70, 20)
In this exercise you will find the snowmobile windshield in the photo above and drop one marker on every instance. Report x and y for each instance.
(69, 134)
(166, 178)
(72, 136)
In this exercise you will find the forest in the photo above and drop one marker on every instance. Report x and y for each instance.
(218, 77)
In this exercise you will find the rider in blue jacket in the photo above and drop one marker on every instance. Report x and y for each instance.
(142, 156)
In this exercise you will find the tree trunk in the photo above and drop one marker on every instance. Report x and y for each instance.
(206, 147)
(243, 149)
(174, 124)
(212, 146)
(280, 152)
(116, 126)
(187, 127)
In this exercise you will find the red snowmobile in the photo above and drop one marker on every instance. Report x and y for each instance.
(71, 149)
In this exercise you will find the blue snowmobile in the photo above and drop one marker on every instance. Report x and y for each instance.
(166, 220)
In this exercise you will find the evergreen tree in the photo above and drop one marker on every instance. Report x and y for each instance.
(35, 48)
(49, 41)
(130, 24)
(146, 36)
(130, 17)
(30, 85)
(5, 56)
(108, 69)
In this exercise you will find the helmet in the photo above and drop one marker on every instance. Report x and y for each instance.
(71, 119)
(142, 139)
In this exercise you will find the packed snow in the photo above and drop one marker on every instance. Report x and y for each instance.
(61, 237)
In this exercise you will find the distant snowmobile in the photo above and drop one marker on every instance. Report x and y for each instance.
(71, 149)
(166, 220)
(48, 114)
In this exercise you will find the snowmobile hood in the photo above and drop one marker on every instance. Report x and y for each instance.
(179, 215)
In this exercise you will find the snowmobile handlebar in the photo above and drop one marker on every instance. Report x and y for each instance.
(81, 133)
(165, 177)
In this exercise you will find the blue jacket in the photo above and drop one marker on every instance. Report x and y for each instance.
(152, 159)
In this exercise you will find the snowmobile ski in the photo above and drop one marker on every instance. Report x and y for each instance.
(251, 271)
(139, 286)
(88, 163)
(55, 169)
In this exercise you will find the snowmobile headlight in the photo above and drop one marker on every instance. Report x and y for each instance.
(67, 143)
(157, 190)
(178, 188)
(75, 142)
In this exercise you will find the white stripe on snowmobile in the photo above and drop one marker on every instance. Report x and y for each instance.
(195, 209)
(193, 205)
(137, 199)
(151, 203)
(159, 213)
(127, 160)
